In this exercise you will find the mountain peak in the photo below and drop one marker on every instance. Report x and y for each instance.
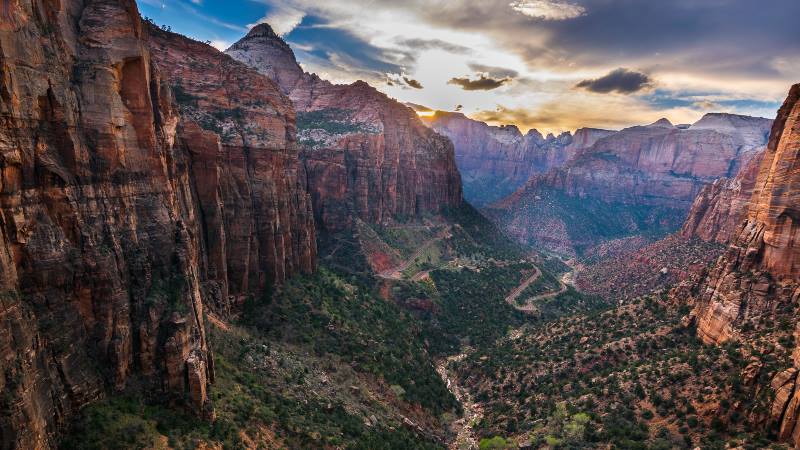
(268, 53)
(262, 29)
(661, 123)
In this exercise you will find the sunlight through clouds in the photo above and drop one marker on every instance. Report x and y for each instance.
(548, 9)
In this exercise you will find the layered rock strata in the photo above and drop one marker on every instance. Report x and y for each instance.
(721, 206)
(759, 273)
(638, 180)
(366, 155)
(120, 212)
(495, 161)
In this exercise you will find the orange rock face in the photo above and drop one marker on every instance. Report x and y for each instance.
(759, 272)
(121, 217)
(760, 265)
(238, 132)
(366, 156)
(721, 206)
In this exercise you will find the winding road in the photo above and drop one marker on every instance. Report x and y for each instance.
(530, 304)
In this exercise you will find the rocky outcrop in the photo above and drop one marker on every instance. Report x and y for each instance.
(760, 266)
(640, 179)
(120, 213)
(758, 275)
(238, 132)
(495, 161)
(366, 155)
(721, 206)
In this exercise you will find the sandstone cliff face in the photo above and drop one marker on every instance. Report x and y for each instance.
(644, 177)
(495, 161)
(759, 272)
(721, 206)
(366, 155)
(116, 215)
(237, 130)
(760, 264)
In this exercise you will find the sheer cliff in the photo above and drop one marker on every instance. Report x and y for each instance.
(721, 206)
(641, 179)
(495, 161)
(123, 215)
(366, 155)
(755, 282)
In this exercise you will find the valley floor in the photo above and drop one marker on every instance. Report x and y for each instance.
(442, 334)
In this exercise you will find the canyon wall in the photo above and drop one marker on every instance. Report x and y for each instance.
(721, 206)
(366, 155)
(641, 179)
(495, 161)
(123, 216)
(757, 277)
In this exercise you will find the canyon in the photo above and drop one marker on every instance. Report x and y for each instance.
(207, 249)
(639, 180)
(496, 161)
(149, 180)
(366, 156)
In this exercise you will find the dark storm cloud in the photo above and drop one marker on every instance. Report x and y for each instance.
(740, 37)
(482, 83)
(412, 83)
(620, 80)
(418, 44)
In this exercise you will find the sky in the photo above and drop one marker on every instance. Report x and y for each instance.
(553, 65)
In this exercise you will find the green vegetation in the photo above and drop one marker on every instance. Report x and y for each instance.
(589, 221)
(494, 443)
(591, 375)
(329, 120)
(332, 316)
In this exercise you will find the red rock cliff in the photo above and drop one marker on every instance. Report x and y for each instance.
(495, 161)
(117, 212)
(762, 259)
(367, 156)
(721, 206)
(638, 179)
(238, 131)
(759, 272)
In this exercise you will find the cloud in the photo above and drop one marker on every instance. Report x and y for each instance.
(482, 83)
(412, 83)
(496, 72)
(282, 18)
(548, 9)
(620, 80)
(433, 44)
(706, 105)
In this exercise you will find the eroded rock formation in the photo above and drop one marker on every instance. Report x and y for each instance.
(367, 156)
(120, 212)
(721, 206)
(640, 179)
(495, 161)
(758, 275)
